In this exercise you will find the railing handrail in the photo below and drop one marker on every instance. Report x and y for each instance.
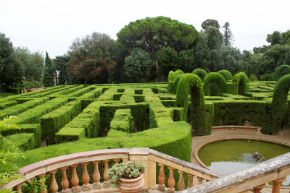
(218, 185)
(51, 164)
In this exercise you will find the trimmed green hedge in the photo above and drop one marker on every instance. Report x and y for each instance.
(23, 141)
(172, 77)
(241, 83)
(226, 74)
(123, 120)
(281, 71)
(53, 121)
(279, 103)
(16, 109)
(200, 72)
(191, 84)
(214, 84)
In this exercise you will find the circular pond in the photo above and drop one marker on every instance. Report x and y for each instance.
(229, 156)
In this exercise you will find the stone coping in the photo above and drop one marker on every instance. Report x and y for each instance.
(222, 138)
(276, 164)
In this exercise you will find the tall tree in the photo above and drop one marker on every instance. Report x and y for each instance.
(49, 71)
(202, 53)
(92, 59)
(274, 38)
(138, 65)
(11, 72)
(210, 23)
(228, 36)
(153, 34)
(32, 63)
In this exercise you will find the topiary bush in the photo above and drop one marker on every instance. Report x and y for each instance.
(226, 74)
(241, 83)
(279, 103)
(281, 71)
(200, 72)
(172, 76)
(191, 84)
(214, 84)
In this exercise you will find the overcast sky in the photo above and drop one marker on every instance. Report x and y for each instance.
(52, 25)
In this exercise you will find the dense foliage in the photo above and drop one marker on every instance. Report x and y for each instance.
(214, 84)
(191, 84)
(279, 103)
(200, 72)
(241, 83)
(226, 74)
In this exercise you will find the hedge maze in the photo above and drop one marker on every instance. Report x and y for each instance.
(75, 118)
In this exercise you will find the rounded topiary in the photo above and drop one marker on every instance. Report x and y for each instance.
(200, 72)
(175, 83)
(172, 76)
(226, 74)
(191, 84)
(241, 83)
(279, 103)
(281, 71)
(214, 84)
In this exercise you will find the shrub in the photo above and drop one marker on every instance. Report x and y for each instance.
(266, 77)
(241, 83)
(32, 84)
(253, 77)
(214, 84)
(200, 72)
(226, 74)
(172, 76)
(191, 84)
(279, 103)
(281, 71)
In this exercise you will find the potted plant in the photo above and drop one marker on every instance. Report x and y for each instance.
(128, 176)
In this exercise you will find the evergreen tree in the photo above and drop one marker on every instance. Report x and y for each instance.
(228, 36)
(49, 72)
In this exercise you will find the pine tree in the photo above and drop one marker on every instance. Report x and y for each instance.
(228, 36)
(49, 72)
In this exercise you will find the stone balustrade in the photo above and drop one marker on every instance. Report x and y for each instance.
(154, 161)
(249, 180)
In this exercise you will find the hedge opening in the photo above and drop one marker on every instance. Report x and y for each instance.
(241, 83)
(200, 72)
(226, 74)
(214, 84)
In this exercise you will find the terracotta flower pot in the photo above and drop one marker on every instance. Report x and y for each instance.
(131, 185)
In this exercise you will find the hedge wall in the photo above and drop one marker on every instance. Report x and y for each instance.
(279, 103)
(280, 71)
(214, 84)
(241, 83)
(200, 72)
(226, 74)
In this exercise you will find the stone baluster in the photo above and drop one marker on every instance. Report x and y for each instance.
(199, 179)
(171, 181)
(53, 184)
(107, 184)
(64, 180)
(276, 185)
(116, 160)
(75, 179)
(257, 190)
(96, 175)
(181, 184)
(85, 177)
(43, 183)
(18, 187)
(161, 178)
(190, 183)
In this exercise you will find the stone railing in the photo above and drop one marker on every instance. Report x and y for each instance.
(249, 180)
(98, 162)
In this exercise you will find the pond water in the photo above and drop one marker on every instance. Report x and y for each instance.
(229, 156)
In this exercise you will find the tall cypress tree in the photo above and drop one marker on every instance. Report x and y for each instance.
(49, 71)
